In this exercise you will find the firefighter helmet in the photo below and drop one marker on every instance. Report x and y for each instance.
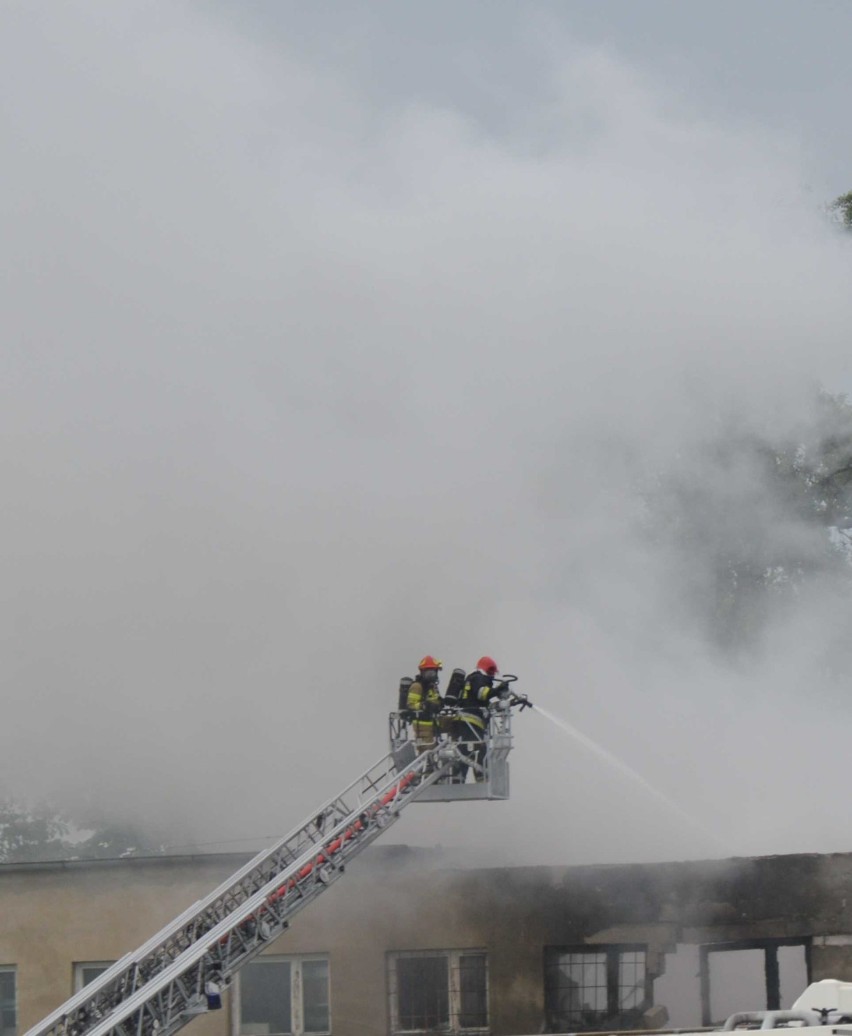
(488, 666)
(429, 662)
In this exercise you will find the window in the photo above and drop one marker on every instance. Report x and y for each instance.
(601, 988)
(86, 971)
(752, 975)
(8, 1002)
(280, 996)
(438, 989)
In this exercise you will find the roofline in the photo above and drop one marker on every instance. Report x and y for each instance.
(410, 853)
(97, 861)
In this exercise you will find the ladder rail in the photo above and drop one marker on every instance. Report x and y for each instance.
(170, 1001)
(173, 992)
(152, 956)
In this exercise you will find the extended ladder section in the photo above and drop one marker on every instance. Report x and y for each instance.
(181, 971)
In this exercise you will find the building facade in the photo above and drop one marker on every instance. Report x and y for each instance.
(404, 944)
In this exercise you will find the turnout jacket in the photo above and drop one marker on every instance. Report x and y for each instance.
(424, 699)
(473, 701)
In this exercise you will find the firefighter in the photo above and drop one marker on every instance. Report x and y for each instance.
(424, 703)
(469, 723)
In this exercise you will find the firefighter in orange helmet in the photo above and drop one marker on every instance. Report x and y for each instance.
(470, 721)
(424, 703)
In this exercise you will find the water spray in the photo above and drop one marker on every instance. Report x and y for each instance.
(628, 771)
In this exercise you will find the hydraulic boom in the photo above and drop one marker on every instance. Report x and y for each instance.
(182, 970)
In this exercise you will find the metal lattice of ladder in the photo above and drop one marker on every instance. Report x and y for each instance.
(164, 984)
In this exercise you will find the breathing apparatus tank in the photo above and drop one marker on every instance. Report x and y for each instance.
(404, 687)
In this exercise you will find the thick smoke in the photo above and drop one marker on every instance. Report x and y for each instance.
(297, 388)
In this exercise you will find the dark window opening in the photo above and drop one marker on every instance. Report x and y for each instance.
(285, 996)
(600, 988)
(87, 971)
(265, 999)
(424, 993)
(438, 991)
(8, 1003)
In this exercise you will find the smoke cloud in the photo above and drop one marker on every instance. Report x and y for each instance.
(297, 387)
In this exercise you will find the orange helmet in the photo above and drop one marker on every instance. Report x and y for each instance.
(429, 662)
(488, 665)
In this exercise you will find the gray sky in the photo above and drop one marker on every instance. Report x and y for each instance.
(781, 64)
(330, 336)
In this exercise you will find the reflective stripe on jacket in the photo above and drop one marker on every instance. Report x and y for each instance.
(473, 703)
(425, 700)
(472, 718)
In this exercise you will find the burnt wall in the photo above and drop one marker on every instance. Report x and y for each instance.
(516, 912)
(396, 900)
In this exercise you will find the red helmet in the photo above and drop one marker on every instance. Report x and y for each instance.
(488, 665)
(429, 662)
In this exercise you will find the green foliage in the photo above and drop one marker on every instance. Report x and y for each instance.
(108, 842)
(30, 832)
(842, 208)
(752, 521)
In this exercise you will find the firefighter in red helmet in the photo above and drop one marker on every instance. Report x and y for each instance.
(424, 703)
(469, 723)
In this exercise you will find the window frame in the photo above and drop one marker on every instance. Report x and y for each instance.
(77, 971)
(297, 1001)
(770, 947)
(454, 991)
(613, 953)
(12, 969)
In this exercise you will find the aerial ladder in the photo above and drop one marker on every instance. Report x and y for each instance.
(182, 971)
